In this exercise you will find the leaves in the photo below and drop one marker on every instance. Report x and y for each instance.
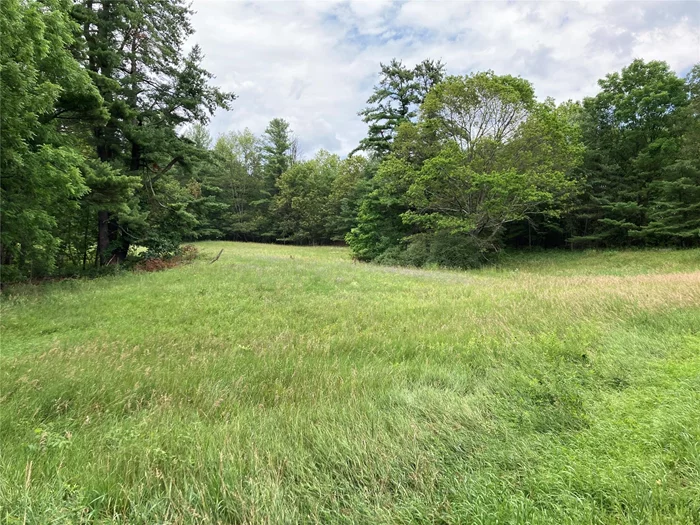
(483, 154)
(395, 101)
(633, 130)
(42, 173)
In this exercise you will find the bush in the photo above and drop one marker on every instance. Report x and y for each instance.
(443, 249)
(189, 252)
(454, 250)
(392, 256)
(186, 254)
(417, 252)
(161, 247)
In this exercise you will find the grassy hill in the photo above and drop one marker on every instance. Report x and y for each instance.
(288, 384)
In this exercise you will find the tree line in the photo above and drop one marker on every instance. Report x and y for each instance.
(106, 155)
(472, 164)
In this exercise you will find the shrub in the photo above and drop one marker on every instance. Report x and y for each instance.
(189, 252)
(161, 247)
(186, 254)
(454, 250)
(444, 249)
(392, 256)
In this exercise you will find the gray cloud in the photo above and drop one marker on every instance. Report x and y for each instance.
(540, 61)
(641, 16)
(607, 39)
(314, 63)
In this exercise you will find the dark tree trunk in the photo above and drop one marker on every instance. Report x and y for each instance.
(103, 232)
(104, 138)
(120, 246)
(85, 240)
(135, 163)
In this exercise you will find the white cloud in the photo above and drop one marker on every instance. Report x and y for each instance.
(314, 63)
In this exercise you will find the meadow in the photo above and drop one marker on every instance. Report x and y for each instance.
(292, 385)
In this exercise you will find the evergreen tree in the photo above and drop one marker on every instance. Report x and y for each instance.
(135, 53)
(629, 130)
(675, 217)
(277, 150)
(395, 100)
(195, 176)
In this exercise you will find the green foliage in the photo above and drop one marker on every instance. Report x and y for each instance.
(42, 173)
(479, 112)
(277, 148)
(631, 129)
(675, 217)
(236, 184)
(92, 96)
(135, 53)
(317, 200)
(349, 188)
(494, 157)
(395, 101)
(379, 225)
(302, 202)
(161, 247)
(105, 147)
(236, 191)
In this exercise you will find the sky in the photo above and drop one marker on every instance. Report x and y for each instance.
(314, 63)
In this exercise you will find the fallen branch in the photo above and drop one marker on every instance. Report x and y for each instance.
(217, 257)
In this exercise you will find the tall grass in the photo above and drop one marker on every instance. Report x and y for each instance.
(291, 385)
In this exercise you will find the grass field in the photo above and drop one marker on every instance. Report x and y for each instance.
(290, 385)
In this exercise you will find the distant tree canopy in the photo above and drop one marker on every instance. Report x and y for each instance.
(641, 180)
(105, 149)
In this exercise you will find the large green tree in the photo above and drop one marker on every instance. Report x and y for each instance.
(277, 150)
(675, 216)
(350, 186)
(395, 100)
(318, 199)
(243, 186)
(135, 51)
(632, 137)
(301, 206)
(42, 170)
(499, 157)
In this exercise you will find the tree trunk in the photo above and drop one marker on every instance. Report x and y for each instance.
(103, 221)
(104, 136)
(120, 246)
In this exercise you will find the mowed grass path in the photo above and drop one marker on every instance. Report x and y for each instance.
(291, 385)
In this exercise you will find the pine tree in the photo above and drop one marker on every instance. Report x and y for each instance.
(395, 101)
(675, 218)
(135, 53)
(277, 150)
(628, 129)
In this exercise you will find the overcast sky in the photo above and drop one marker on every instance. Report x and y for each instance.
(314, 63)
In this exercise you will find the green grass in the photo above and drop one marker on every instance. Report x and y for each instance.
(289, 385)
(601, 262)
